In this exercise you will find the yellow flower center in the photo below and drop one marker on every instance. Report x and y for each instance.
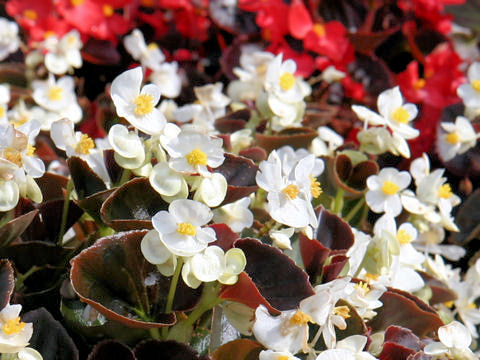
(401, 115)
(371, 277)
(390, 188)
(287, 81)
(343, 311)
(261, 69)
(471, 306)
(144, 104)
(452, 138)
(30, 14)
(71, 40)
(300, 318)
(291, 191)
(107, 10)
(13, 326)
(476, 85)
(419, 84)
(362, 287)
(49, 33)
(445, 191)
(404, 237)
(315, 187)
(13, 155)
(282, 357)
(30, 150)
(76, 2)
(152, 46)
(22, 119)
(319, 29)
(449, 304)
(55, 93)
(84, 145)
(2, 111)
(196, 157)
(186, 228)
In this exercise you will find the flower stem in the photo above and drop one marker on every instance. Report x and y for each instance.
(338, 204)
(66, 204)
(171, 291)
(154, 333)
(355, 209)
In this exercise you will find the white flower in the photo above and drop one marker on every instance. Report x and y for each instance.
(470, 92)
(393, 113)
(281, 238)
(191, 152)
(365, 298)
(137, 105)
(58, 97)
(287, 332)
(4, 100)
(456, 138)
(384, 188)
(280, 80)
(168, 182)
(236, 215)
(350, 348)
(149, 56)
(63, 55)
(213, 264)
(157, 253)
(455, 340)
(167, 79)
(331, 74)
(29, 354)
(20, 115)
(287, 203)
(75, 143)
(9, 40)
(276, 355)
(14, 333)
(180, 227)
(326, 142)
(128, 147)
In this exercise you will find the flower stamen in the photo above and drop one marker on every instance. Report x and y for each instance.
(401, 115)
(84, 145)
(185, 228)
(144, 104)
(196, 157)
(287, 81)
(13, 326)
(55, 93)
(315, 187)
(390, 188)
(291, 191)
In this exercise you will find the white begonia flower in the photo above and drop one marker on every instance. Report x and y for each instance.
(168, 182)
(4, 100)
(276, 355)
(180, 227)
(20, 115)
(168, 108)
(287, 332)
(167, 79)
(191, 152)
(287, 203)
(470, 92)
(331, 74)
(210, 189)
(213, 264)
(128, 147)
(236, 215)
(467, 294)
(9, 194)
(240, 140)
(357, 251)
(58, 98)
(157, 253)
(350, 348)
(393, 113)
(14, 333)
(455, 340)
(63, 55)
(365, 298)
(326, 142)
(29, 354)
(75, 143)
(9, 39)
(281, 238)
(150, 55)
(384, 188)
(456, 138)
(137, 105)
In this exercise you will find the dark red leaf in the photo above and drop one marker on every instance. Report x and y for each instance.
(332, 231)
(170, 349)
(280, 281)
(225, 236)
(313, 254)
(14, 228)
(111, 349)
(332, 270)
(52, 186)
(7, 282)
(256, 154)
(296, 137)
(240, 349)
(85, 180)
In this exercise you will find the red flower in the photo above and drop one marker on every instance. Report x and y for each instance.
(95, 19)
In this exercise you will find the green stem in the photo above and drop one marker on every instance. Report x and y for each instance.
(355, 209)
(338, 204)
(66, 204)
(125, 177)
(22, 277)
(216, 330)
(155, 334)
(171, 291)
